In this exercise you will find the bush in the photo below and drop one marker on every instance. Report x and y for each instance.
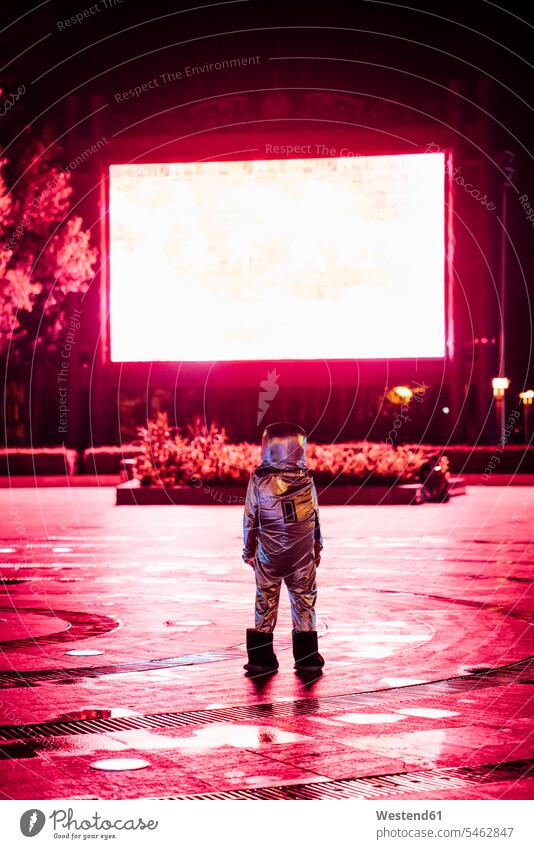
(378, 462)
(171, 458)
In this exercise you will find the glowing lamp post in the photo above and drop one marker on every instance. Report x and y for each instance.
(500, 385)
(527, 397)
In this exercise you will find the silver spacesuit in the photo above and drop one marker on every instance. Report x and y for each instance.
(282, 541)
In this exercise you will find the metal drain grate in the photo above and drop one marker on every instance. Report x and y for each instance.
(382, 786)
(270, 710)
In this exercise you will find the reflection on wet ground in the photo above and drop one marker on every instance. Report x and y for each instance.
(429, 658)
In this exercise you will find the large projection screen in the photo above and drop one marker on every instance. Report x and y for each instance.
(331, 258)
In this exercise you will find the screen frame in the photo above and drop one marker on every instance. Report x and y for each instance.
(195, 372)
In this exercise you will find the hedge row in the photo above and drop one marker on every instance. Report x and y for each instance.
(106, 459)
(37, 461)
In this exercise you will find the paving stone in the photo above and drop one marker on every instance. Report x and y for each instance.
(411, 601)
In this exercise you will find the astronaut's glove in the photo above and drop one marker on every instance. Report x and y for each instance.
(317, 553)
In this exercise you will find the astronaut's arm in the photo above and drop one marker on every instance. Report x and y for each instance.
(250, 522)
(318, 537)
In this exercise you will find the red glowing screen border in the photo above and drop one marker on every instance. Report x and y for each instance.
(293, 259)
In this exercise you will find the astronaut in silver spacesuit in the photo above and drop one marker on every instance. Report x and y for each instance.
(283, 542)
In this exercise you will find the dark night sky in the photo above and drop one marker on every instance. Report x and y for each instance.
(123, 41)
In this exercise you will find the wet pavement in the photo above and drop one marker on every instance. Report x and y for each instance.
(122, 637)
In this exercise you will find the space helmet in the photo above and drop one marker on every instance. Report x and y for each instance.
(283, 446)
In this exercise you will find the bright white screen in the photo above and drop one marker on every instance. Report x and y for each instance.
(284, 259)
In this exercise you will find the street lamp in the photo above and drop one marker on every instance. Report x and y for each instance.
(500, 385)
(527, 397)
(400, 395)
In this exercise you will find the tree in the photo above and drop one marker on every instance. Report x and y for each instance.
(45, 254)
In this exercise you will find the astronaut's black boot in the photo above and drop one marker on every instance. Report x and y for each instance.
(261, 657)
(307, 657)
